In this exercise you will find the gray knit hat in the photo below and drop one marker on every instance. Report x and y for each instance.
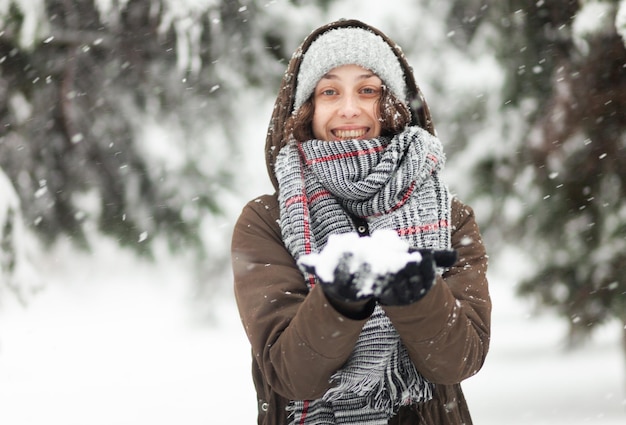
(347, 46)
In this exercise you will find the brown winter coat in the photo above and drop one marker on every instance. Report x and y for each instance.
(299, 340)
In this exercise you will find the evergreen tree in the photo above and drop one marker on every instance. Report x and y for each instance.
(564, 107)
(80, 80)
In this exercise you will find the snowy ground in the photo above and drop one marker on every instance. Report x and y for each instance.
(113, 341)
(529, 377)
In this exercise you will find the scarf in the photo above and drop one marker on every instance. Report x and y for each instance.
(393, 183)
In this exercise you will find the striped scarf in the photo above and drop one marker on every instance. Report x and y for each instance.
(393, 184)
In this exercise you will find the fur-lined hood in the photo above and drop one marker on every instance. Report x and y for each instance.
(286, 95)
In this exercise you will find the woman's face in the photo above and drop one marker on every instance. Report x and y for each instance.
(346, 104)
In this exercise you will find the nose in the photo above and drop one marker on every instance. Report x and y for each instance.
(349, 107)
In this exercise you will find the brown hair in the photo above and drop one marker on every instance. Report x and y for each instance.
(393, 115)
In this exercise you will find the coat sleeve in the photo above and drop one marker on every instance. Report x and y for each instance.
(298, 339)
(447, 332)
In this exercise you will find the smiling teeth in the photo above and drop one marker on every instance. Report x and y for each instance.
(349, 134)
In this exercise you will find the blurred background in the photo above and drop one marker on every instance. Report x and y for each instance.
(132, 134)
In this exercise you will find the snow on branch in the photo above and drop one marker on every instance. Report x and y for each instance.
(16, 271)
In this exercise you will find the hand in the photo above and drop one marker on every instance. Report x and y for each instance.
(443, 257)
(413, 282)
(346, 285)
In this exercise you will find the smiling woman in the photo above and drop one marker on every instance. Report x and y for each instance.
(351, 150)
(346, 100)
(364, 95)
(342, 73)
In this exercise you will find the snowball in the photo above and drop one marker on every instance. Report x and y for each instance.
(384, 251)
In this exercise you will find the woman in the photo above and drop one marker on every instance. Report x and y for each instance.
(351, 149)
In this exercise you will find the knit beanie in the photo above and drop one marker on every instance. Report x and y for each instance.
(349, 46)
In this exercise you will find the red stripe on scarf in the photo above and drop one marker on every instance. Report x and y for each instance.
(302, 199)
(295, 199)
(307, 236)
(344, 155)
(406, 196)
(320, 194)
(305, 410)
(401, 202)
(423, 228)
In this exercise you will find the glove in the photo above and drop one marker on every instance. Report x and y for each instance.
(413, 282)
(346, 286)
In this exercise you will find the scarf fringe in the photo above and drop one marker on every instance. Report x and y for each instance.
(382, 391)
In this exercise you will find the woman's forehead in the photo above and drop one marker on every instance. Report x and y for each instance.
(349, 71)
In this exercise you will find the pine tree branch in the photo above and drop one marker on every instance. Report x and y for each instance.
(65, 37)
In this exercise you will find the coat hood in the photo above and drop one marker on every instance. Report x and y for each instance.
(286, 96)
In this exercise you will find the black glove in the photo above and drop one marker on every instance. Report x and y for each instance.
(414, 281)
(345, 286)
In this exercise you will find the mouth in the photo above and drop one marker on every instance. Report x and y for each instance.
(350, 134)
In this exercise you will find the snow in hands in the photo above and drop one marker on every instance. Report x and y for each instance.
(383, 253)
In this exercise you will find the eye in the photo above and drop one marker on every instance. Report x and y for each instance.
(370, 90)
(328, 92)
